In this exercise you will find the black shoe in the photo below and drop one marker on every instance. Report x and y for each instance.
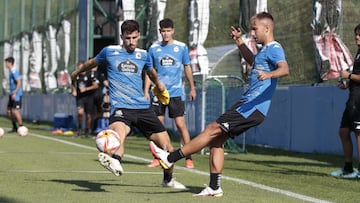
(12, 130)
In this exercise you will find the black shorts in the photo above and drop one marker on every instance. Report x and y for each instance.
(87, 103)
(12, 104)
(143, 119)
(351, 116)
(233, 123)
(176, 107)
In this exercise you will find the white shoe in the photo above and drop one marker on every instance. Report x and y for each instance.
(110, 164)
(161, 155)
(210, 192)
(174, 184)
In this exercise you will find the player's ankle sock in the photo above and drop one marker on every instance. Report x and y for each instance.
(188, 157)
(167, 176)
(115, 156)
(348, 167)
(175, 156)
(215, 180)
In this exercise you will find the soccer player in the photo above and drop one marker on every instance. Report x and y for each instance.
(351, 116)
(129, 107)
(170, 57)
(267, 66)
(14, 104)
(83, 88)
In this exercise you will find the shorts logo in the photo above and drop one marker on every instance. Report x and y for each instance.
(225, 125)
(119, 113)
(357, 125)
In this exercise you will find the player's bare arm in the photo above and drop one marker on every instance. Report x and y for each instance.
(189, 76)
(244, 50)
(88, 65)
(281, 71)
(154, 78)
(147, 83)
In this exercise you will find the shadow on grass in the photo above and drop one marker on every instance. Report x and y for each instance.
(8, 200)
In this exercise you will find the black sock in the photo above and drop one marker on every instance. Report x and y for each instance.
(14, 125)
(115, 156)
(215, 180)
(175, 156)
(188, 157)
(167, 176)
(348, 167)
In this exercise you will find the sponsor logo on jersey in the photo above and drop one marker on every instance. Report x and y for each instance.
(167, 61)
(128, 66)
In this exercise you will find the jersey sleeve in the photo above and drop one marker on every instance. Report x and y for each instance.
(186, 57)
(101, 57)
(277, 54)
(149, 60)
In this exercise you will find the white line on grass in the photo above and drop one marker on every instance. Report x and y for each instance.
(82, 172)
(241, 181)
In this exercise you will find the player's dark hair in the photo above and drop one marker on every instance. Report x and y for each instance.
(129, 26)
(166, 23)
(357, 29)
(10, 59)
(263, 15)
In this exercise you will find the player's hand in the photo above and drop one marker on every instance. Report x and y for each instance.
(161, 87)
(344, 74)
(235, 33)
(192, 94)
(82, 90)
(262, 75)
(343, 84)
(147, 95)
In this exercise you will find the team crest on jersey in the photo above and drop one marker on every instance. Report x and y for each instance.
(127, 66)
(167, 61)
(138, 55)
(176, 49)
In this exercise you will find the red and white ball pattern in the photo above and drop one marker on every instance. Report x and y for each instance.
(107, 141)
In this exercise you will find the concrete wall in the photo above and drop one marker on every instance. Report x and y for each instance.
(301, 118)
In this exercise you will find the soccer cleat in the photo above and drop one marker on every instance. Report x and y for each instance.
(189, 163)
(161, 155)
(344, 174)
(208, 192)
(174, 184)
(110, 164)
(354, 174)
(154, 163)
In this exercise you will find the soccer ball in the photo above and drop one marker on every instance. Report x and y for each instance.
(1, 132)
(22, 131)
(107, 141)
